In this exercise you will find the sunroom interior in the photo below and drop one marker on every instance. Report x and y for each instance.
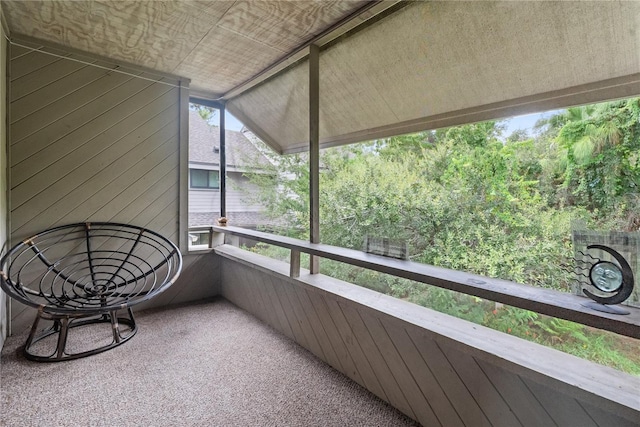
(95, 98)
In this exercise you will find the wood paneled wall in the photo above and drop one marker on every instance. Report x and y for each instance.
(199, 281)
(437, 369)
(88, 143)
(3, 171)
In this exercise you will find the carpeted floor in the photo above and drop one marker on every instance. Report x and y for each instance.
(208, 364)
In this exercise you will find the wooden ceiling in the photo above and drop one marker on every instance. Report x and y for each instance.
(217, 44)
(416, 66)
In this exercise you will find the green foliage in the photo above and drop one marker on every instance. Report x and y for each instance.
(207, 113)
(283, 187)
(468, 199)
(602, 170)
(455, 304)
(380, 282)
(588, 343)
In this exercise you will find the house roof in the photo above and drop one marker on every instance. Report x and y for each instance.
(386, 68)
(241, 153)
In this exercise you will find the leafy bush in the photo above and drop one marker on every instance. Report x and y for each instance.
(467, 199)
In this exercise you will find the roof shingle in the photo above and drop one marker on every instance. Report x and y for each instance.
(203, 138)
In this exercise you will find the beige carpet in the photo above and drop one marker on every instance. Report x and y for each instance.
(209, 364)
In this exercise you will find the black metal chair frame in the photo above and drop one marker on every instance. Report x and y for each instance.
(88, 281)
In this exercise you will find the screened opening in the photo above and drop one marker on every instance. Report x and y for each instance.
(204, 172)
(198, 238)
(245, 156)
(516, 203)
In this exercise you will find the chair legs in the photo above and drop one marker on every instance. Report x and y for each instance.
(63, 323)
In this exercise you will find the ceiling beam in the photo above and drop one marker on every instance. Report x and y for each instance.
(314, 153)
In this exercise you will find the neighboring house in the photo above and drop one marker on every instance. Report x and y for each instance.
(204, 175)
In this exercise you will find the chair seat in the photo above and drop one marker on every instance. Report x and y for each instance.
(85, 273)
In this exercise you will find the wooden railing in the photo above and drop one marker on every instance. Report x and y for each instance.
(544, 301)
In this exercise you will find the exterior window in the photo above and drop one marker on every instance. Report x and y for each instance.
(202, 178)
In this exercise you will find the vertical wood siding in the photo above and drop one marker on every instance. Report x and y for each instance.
(433, 378)
(90, 144)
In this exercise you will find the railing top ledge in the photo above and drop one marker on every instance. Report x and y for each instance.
(544, 301)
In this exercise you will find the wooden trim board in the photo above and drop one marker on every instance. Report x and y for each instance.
(545, 301)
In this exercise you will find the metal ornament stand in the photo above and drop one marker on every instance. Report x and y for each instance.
(62, 323)
(614, 280)
(84, 274)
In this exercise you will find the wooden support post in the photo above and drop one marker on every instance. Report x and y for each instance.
(183, 189)
(216, 239)
(314, 152)
(294, 266)
(223, 164)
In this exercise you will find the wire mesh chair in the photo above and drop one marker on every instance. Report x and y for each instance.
(85, 274)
